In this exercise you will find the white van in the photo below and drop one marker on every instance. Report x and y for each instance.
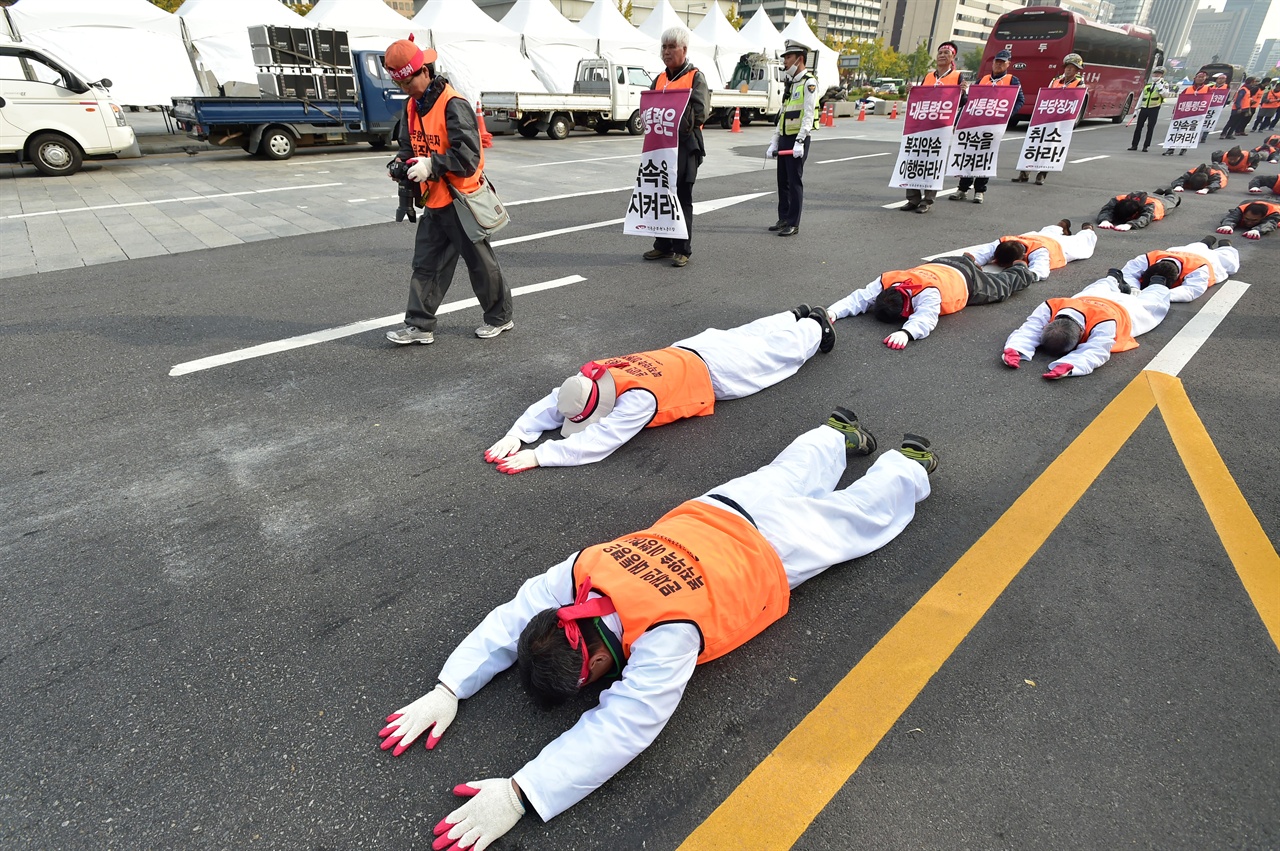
(53, 117)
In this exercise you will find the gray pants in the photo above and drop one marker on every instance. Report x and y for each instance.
(921, 196)
(989, 287)
(440, 241)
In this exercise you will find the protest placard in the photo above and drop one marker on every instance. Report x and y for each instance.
(1049, 132)
(654, 209)
(976, 144)
(1188, 114)
(1216, 107)
(926, 133)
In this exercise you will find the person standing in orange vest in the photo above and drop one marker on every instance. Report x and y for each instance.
(1047, 249)
(1187, 270)
(639, 613)
(1268, 106)
(1255, 218)
(1242, 105)
(916, 298)
(611, 401)
(999, 76)
(440, 142)
(1199, 85)
(945, 73)
(680, 74)
(1070, 78)
(1080, 333)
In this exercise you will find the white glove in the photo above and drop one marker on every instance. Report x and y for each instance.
(797, 149)
(772, 153)
(1252, 234)
(1178, 189)
(1204, 191)
(897, 340)
(1106, 225)
(1125, 226)
(504, 447)
(1250, 169)
(1225, 229)
(435, 708)
(1257, 190)
(494, 809)
(420, 169)
(518, 463)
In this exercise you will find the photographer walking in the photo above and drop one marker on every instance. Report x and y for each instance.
(440, 147)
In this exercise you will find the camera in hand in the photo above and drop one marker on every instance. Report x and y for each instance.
(409, 192)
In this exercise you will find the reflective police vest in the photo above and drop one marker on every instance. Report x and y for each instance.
(698, 564)
(793, 106)
(1151, 96)
(1097, 310)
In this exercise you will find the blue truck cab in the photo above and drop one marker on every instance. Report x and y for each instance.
(276, 126)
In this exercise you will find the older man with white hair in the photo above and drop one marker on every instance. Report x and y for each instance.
(680, 74)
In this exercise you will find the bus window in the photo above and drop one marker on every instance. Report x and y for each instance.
(1103, 47)
(1046, 27)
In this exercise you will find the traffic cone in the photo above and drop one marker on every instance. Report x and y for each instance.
(822, 118)
(831, 116)
(486, 138)
(862, 113)
(894, 114)
(737, 124)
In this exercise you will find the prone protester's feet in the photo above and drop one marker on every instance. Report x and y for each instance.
(1210, 241)
(801, 311)
(819, 314)
(857, 439)
(920, 450)
(1118, 276)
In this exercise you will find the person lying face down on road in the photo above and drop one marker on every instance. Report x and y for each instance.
(1265, 183)
(1135, 210)
(1203, 179)
(1047, 249)
(1237, 160)
(915, 298)
(1081, 332)
(1187, 270)
(1269, 149)
(1255, 218)
(609, 402)
(642, 611)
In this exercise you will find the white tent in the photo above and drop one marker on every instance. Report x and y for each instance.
(617, 39)
(701, 52)
(369, 24)
(476, 52)
(729, 43)
(827, 66)
(761, 34)
(551, 41)
(218, 33)
(134, 43)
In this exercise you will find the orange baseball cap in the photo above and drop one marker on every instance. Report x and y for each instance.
(404, 59)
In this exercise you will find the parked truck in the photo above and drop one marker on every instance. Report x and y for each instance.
(364, 107)
(606, 96)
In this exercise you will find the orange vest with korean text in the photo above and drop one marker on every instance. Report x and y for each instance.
(677, 379)
(951, 78)
(1056, 258)
(949, 283)
(1006, 80)
(1159, 206)
(698, 564)
(428, 135)
(1190, 263)
(1097, 310)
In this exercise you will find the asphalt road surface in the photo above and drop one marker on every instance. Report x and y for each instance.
(217, 583)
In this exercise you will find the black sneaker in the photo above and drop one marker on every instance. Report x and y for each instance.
(1210, 241)
(1223, 243)
(857, 440)
(819, 314)
(919, 449)
(800, 311)
(1115, 273)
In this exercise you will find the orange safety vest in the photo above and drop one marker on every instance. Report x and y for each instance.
(428, 135)
(1056, 258)
(677, 379)
(1199, 90)
(1274, 186)
(1240, 164)
(1098, 310)
(1190, 263)
(949, 283)
(951, 78)
(684, 81)
(1056, 83)
(1215, 168)
(1271, 100)
(1272, 209)
(1006, 80)
(1159, 206)
(698, 564)
(1255, 99)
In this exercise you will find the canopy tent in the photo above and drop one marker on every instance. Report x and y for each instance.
(135, 44)
(550, 41)
(827, 66)
(618, 40)
(701, 52)
(729, 43)
(476, 52)
(369, 24)
(218, 34)
(760, 33)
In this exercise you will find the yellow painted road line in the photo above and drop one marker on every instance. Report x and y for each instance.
(1242, 535)
(777, 801)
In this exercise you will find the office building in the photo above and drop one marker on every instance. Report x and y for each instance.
(1214, 36)
(1132, 12)
(905, 24)
(1171, 19)
(1253, 13)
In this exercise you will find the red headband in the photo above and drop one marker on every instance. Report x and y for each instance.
(567, 619)
(594, 372)
(907, 306)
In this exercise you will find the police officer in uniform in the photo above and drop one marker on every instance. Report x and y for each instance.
(797, 121)
(1149, 102)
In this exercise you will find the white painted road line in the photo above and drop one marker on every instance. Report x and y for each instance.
(1089, 159)
(187, 199)
(627, 188)
(346, 331)
(1178, 351)
(859, 157)
(896, 204)
(574, 162)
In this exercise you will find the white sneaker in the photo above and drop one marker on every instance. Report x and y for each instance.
(411, 334)
(979, 197)
(960, 195)
(484, 332)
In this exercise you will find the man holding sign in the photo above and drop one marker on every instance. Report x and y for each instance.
(931, 111)
(982, 124)
(1188, 115)
(1049, 133)
(674, 110)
